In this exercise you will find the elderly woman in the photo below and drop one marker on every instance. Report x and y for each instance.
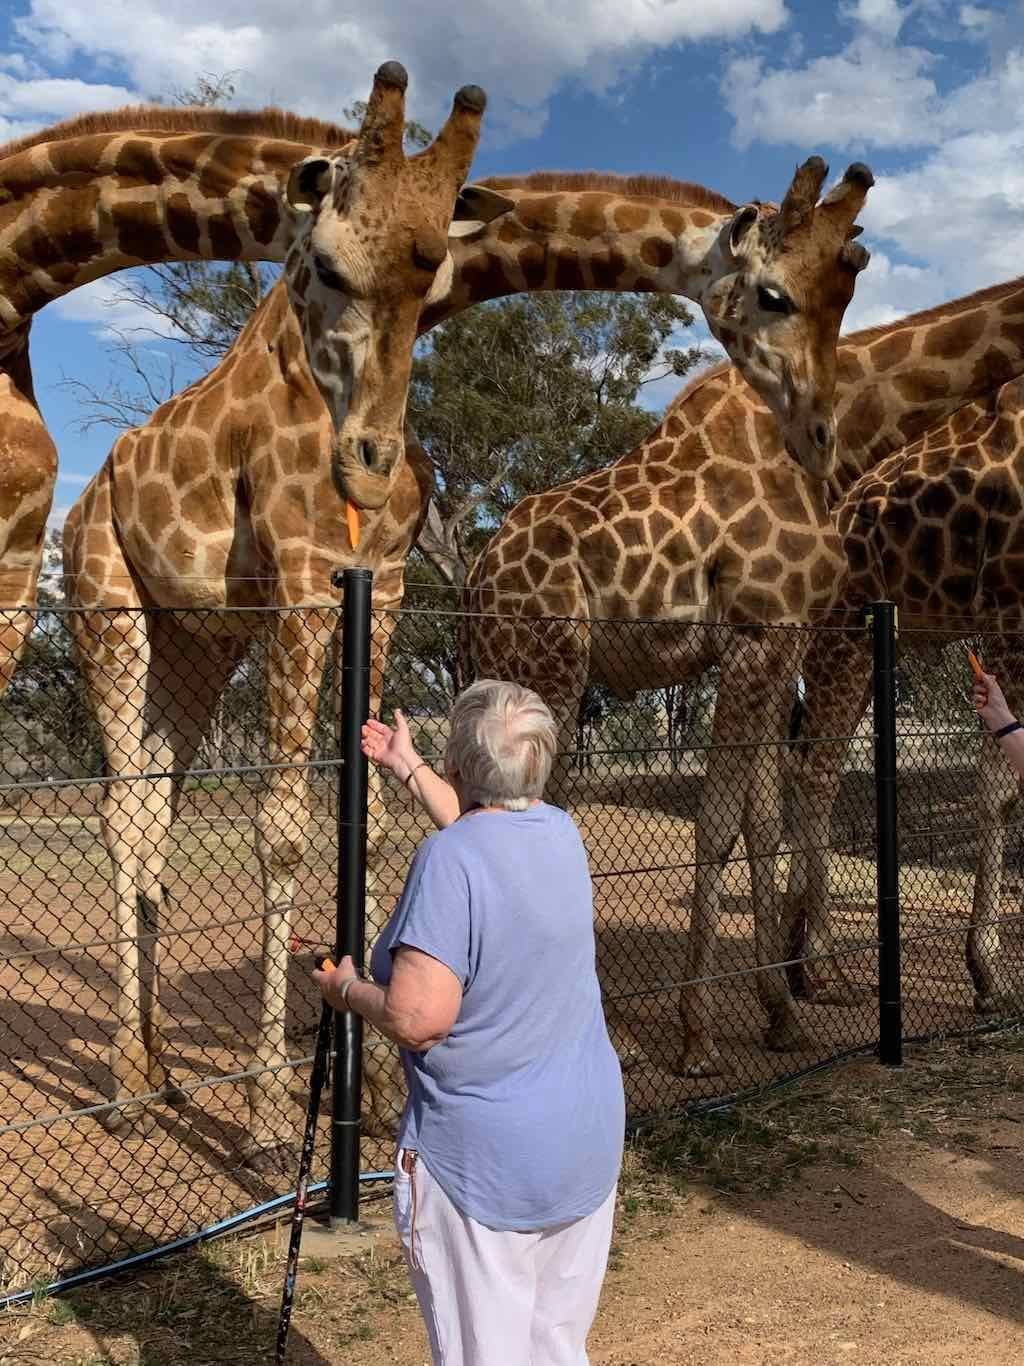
(511, 1138)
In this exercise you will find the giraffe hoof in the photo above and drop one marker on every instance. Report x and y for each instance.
(129, 1125)
(708, 1064)
(272, 1159)
(998, 1003)
(785, 1036)
(836, 995)
(175, 1097)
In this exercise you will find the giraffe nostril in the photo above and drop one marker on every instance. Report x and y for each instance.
(821, 436)
(368, 452)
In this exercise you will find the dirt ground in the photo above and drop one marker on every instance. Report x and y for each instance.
(867, 1216)
(74, 1195)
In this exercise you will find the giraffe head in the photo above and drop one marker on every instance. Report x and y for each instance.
(370, 250)
(787, 278)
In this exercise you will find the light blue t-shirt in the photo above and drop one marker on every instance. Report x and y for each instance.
(519, 1113)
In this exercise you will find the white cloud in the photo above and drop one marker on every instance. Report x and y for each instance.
(317, 58)
(99, 304)
(873, 94)
(888, 290)
(976, 19)
(961, 209)
(957, 210)
(18, 128)
(885, 17)
(57, 98)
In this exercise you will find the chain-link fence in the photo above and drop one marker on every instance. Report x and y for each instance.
(156, 1031)
(168, 817)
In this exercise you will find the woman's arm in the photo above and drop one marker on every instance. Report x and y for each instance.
(994, 710)
(393, 749)
(416, 1009)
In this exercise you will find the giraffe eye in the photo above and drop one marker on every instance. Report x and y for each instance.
(773, 300)
(328, 276)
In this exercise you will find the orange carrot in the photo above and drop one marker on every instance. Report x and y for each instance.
(976, 669)
(322, 961)
(352, 516)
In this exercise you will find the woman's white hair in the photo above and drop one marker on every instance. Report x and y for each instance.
(501, 744)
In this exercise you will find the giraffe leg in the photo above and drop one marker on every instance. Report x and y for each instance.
(723, 796)
(298, 641)
(113, 649)
(997, 791)
(837, 671)
(190, 665)
(762, 835)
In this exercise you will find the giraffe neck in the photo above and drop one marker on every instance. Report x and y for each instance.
(14, 358)
(895, 382)
(80, 208)
(576, 239)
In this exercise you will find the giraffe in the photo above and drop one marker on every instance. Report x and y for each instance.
(90, 196)
(708, 523)
(229, 499)
(938, 528)
(101, 192)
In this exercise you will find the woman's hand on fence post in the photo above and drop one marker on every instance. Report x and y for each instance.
(990, 704)
(332, 982)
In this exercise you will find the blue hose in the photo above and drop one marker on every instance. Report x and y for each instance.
(190, 1240)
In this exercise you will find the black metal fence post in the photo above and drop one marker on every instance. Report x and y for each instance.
(343, 1206)
(882, 617)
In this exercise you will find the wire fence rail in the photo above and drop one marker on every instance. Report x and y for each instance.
(171, 788)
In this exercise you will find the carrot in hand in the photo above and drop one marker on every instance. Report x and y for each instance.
(352, 517)
(976, 669)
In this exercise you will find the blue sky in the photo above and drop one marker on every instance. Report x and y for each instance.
(729, 92)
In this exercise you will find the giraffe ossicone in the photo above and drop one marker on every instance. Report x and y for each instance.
(364, 264)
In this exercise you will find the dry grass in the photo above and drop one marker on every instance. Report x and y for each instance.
(219, 1304)
(758, 1146)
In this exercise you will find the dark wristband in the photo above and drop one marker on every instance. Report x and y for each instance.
(1008, 730)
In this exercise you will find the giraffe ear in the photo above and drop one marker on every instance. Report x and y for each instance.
(739, 226)
(476, 206)
(308, 182)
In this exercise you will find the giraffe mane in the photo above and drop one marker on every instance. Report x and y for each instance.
(643, 186)
(721, 367)
(935, 314)
(269, 122)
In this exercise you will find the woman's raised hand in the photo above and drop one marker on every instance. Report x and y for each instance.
(990, 704)
(390, 747)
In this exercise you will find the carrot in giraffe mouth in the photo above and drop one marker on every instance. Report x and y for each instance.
(352, 517)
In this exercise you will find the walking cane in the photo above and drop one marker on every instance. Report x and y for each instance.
(321, 1057)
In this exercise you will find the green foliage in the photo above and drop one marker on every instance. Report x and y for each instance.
(530, 392)
(48, 730)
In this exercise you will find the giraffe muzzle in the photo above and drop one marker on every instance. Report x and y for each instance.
(816, 451)
(364, 468)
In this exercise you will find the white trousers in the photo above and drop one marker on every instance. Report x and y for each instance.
(499, 1299)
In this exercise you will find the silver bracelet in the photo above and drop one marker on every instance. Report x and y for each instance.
(415, 769)
(346, 987)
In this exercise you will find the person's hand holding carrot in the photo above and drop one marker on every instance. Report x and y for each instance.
(989, 702)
